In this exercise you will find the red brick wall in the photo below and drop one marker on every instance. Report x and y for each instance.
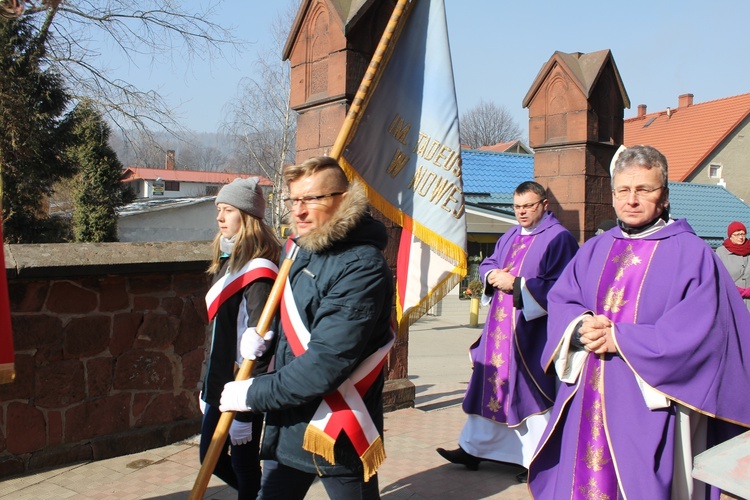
(106, 364)
(110, 342)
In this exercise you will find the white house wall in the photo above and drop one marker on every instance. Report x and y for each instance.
(184, 223)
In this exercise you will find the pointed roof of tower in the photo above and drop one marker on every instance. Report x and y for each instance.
(584, 70)
(349, 11)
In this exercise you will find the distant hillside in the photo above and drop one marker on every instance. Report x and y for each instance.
(210, 152)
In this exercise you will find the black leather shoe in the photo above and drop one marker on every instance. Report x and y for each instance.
(523, 477)
(459, 456)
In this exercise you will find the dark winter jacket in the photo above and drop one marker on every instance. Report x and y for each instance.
(223, 355)
(343, 289)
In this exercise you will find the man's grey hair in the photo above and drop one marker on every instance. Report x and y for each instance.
(643, 156)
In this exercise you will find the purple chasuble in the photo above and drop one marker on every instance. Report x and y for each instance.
(617, 298)
(680, 326)
(493, 356)
(508, 383)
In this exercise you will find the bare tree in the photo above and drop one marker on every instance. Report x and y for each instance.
(261, 119)
(486, 124)
(206, 158)
(72, 32)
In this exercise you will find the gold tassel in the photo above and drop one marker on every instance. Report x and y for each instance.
(318, 442)
(372, 458)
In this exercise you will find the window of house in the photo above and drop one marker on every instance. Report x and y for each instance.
(714, 171)
(171, 185)
(212, 190)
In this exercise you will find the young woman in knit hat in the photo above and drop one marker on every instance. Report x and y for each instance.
(735, 254)
(245, 253)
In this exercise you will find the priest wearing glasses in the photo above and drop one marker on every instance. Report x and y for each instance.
(509, 395)
(646, 334)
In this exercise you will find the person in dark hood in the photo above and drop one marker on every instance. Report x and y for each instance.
(324, 400)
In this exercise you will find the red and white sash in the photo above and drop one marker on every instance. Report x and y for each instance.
(342, 410)
(231, 283)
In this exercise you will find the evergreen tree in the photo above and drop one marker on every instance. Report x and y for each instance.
(34, 133)
(98, 190)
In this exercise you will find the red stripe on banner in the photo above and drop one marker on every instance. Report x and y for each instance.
(7, 354)
(402, 265)
(343, 418)
(237, 285)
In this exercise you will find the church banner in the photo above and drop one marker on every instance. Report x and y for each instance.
(405, 147)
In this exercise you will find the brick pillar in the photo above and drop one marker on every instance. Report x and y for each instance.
(328, 60)
(576, 107)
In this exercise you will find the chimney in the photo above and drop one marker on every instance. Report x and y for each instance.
(641, 110)
(169, 161)
(685, 100)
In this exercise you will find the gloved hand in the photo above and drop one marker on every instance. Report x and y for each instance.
(234, 395)
(201, 403)
(240, 432)
(745, 292)
(252, 345)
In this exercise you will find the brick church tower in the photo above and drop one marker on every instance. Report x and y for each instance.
(576, 107)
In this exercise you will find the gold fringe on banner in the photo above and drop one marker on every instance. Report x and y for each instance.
(7, 373)
(318, 442)
(427, 302)
(443, 246)
(448, 249)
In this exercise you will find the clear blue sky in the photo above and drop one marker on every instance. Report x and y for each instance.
(662, 48)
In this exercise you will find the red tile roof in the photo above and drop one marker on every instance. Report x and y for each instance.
(500, 146)
(150, 174)
(688, 135)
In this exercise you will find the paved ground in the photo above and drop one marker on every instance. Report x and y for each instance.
(439, 362)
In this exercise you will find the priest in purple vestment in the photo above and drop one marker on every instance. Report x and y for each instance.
(646, 334)
(509, 394)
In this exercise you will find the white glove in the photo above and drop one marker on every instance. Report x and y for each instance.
(252, 345)
(234, 395)
(201, 403)
(240, 432)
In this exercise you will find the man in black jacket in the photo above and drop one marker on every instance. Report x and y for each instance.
(335, 323)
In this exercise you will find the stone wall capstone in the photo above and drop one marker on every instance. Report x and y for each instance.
(110, 342)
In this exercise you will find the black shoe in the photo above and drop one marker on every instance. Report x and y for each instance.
(459, 456)
(523, 477)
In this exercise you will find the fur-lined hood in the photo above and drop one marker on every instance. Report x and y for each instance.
(353, 208)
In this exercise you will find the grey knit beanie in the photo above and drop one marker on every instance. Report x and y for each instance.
(244, 194)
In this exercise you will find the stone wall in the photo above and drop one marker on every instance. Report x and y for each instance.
(110, 343)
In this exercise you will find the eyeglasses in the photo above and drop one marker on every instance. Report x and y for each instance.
(623, 193)
(739, 234)
(528, 206)
(308, 200)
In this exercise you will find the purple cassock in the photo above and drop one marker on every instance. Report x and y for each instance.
(681, 328)
(508, 383)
